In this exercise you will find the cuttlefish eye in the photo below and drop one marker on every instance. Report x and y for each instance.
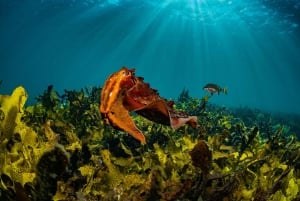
(126, 73)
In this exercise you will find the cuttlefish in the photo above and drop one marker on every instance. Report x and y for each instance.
(123, 92)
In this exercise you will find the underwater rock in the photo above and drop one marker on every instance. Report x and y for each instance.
(50, 167)
(202, 156)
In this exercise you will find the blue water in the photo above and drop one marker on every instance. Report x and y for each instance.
(250, 46)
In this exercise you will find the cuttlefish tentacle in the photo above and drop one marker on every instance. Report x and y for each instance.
(160, 112)
(119, 117)
(179, 119)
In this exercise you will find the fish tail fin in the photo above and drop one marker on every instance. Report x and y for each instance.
(224, 90)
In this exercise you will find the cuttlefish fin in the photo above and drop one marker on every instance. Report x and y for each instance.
(177, 122)
(119, 117)
(162, 112)
(156, 111)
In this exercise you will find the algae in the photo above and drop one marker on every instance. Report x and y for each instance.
(60, 149)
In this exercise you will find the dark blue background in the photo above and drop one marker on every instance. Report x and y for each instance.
(251, 46)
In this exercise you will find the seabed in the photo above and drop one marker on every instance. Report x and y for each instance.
(60, 149)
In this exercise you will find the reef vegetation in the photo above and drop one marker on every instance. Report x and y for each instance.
(61, 149)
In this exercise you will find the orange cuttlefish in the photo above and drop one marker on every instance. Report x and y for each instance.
(123, 92)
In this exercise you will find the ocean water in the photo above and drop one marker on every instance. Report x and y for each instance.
(249, 46)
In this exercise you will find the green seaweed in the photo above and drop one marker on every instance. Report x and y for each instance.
(60, 149)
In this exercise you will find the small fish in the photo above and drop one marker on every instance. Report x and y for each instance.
(214, 88)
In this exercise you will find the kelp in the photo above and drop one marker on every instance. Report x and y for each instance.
(60, 149)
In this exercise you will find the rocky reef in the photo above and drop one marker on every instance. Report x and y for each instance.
(60, 149)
